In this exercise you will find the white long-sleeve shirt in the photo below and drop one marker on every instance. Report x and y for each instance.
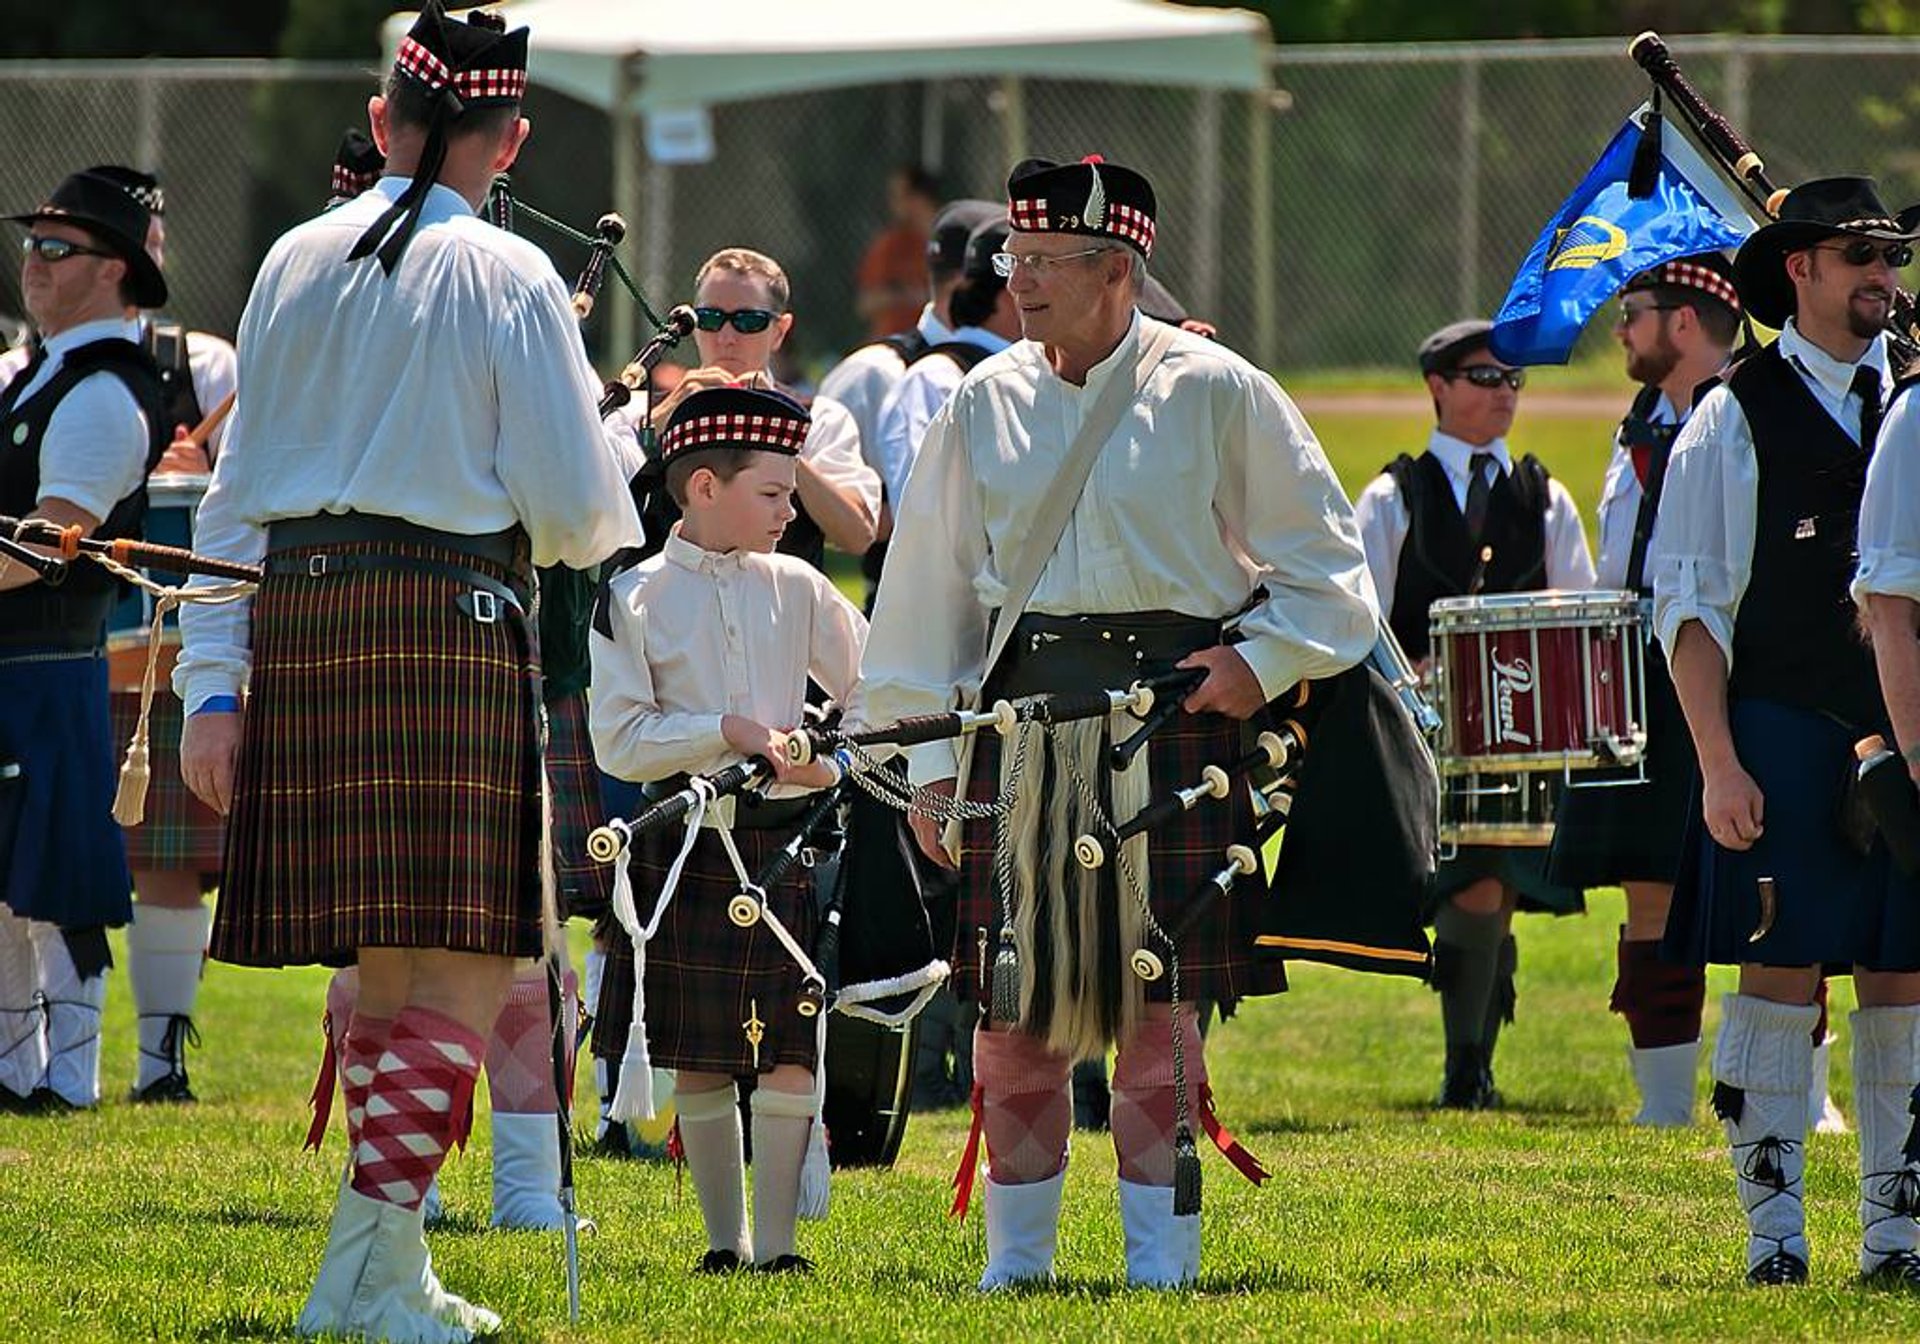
(94, 451)
(833, 448)
(862, 380)
(1890, 510)
(697, 635)
(1701, 558)
(454, 394)
(1383, 520)
(1212, 487)
(925, 387)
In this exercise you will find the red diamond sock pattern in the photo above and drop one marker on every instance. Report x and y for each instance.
(520, 1053)
(419, 1092)
(1029, 1108)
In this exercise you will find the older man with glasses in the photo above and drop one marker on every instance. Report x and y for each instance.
(1464, 518)
(1095, 503)
(1753, 558)
(80, 428)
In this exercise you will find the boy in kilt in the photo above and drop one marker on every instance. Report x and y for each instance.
(80, 427)
(420, 432)
(1754, 555)
(1466, 517)
(700, 655)
(1205, 497)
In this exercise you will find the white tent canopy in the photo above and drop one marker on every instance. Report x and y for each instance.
(638, 59)
(643, 55)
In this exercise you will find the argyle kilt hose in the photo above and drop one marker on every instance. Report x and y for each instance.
(387, 792)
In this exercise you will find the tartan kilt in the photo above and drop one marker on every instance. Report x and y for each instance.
(179, 833)
(1216, 957)
(582, 886)
(706, 977)
(387, 792)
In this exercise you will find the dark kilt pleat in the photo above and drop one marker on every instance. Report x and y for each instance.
(1834, 906)
(179, 832)
(1631, 832)
(388, 787)
(583, 886)
(1216, 957)
(705, 976)
(1520, 867)
(61, 856)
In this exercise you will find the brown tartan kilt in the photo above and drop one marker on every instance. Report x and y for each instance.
(1216, 957)
(179, 832)
(705, 976)
(584, 886)
(387, 792)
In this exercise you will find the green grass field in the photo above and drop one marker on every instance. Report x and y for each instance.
(1552, 1219)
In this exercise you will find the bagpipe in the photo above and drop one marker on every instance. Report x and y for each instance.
(1743, 166)
(69, 544)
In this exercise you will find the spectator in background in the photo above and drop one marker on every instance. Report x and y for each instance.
(891, 283)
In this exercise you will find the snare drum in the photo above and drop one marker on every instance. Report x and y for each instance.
(172, 500)
(1533, 688)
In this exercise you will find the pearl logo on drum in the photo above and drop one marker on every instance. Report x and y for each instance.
(1510, 680)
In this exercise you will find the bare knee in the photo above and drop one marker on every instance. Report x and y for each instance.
(1780, 984)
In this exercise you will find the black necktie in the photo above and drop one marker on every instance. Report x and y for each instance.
(1479, 494)
(1866, 386)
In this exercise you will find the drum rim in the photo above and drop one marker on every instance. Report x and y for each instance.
(184, 486)
(1551, 608)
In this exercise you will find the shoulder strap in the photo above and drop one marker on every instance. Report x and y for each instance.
(1057, 505)
(964, 353)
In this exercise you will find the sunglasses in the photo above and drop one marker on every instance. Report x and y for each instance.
(1630, 312)
(56, 249)
(1490, 376)
(1861, 252)
(746, 321)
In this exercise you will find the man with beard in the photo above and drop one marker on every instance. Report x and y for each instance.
(1677, 323)
(1752, 560)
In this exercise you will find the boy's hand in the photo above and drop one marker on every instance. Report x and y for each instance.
(752, 739)
(816, 774)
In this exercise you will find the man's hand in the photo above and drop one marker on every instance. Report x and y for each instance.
(1733, 806)
(926, 831)
(1230, 687)
(209, 745)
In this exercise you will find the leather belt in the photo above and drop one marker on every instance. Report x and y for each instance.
(336, 529)
(483, 601)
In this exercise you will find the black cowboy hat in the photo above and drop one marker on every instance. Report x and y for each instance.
(1812, 212)
(105, 209)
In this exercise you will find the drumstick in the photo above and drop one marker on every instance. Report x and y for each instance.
(203, 431)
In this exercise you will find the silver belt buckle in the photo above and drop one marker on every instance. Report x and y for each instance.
(317, 566)
(486, 606)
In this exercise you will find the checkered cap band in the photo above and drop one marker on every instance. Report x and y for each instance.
(1693, 276)
(775, 433)
(346, 182)
(418, 63)
(1124, 222)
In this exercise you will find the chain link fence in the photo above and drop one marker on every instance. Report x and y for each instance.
(1401, 184)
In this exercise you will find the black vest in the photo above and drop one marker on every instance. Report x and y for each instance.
(167, 343)
(1438, 560)
(1795, 639)
(74, 615)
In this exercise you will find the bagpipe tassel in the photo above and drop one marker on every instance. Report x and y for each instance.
(1186, 1174)
(130, 798)
(321, 1099)
(633, 1097)
(1006, 980)
(1230, 1147)
(816, 1174)
(969, 1168)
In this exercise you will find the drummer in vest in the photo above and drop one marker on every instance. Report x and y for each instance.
(1462, 519)
(175, 852)
(80, 428)
(1753, 555)
(985, 322)
(1677, 323)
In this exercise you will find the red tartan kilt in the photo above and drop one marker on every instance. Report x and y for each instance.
(584, 886)
(179, 833)
(705, 976)
(1216, 957)
(387, 792)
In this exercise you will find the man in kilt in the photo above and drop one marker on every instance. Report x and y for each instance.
(1210, 498)
(1753, 556)
(80, 427)
(1463, 518)
(419, 432)
(701, 656)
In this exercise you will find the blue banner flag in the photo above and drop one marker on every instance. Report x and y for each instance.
(1604, 235)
